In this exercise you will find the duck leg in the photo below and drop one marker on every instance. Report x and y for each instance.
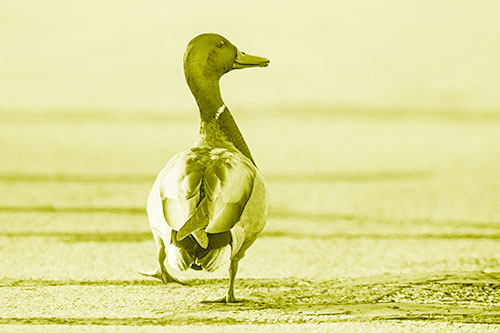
(233, 268)
(161, 272)
(229, 298)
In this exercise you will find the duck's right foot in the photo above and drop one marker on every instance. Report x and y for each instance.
(224, 300)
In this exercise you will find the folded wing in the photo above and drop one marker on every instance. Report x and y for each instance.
(205, 191)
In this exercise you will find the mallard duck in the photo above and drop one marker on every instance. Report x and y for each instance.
(208, 205)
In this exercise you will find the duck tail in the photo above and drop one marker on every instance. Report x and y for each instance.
(201, 237)
(196, 225)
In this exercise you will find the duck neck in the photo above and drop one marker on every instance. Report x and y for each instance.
(217, 127)
(207, 96)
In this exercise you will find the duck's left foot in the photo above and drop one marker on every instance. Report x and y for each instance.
(162, 275)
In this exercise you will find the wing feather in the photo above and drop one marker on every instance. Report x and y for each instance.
(206, 189)
(234, 186)
(198, 220)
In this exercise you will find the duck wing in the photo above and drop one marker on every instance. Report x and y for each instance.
(205, 190)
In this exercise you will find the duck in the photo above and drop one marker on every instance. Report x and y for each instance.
(208, 204)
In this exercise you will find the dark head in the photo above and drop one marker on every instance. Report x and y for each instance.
(209, 56)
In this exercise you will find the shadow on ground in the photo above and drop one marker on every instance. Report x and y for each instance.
(339, 177)
(76, 237)
(468, 297)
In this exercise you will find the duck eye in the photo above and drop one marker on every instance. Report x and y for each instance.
(221, 44)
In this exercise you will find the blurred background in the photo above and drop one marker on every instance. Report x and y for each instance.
(81, 55)
(376, 126)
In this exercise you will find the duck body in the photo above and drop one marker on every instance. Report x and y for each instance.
(208, 204)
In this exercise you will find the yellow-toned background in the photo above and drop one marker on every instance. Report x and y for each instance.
(376, 127)
(118, 55)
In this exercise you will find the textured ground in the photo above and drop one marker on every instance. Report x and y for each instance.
(386, 222)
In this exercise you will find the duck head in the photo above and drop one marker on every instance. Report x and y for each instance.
(212, 55)
(208, 57)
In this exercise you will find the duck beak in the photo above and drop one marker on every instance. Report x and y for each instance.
(244, 60)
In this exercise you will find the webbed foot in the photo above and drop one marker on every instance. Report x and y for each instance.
(226, 299)
(162, 275)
